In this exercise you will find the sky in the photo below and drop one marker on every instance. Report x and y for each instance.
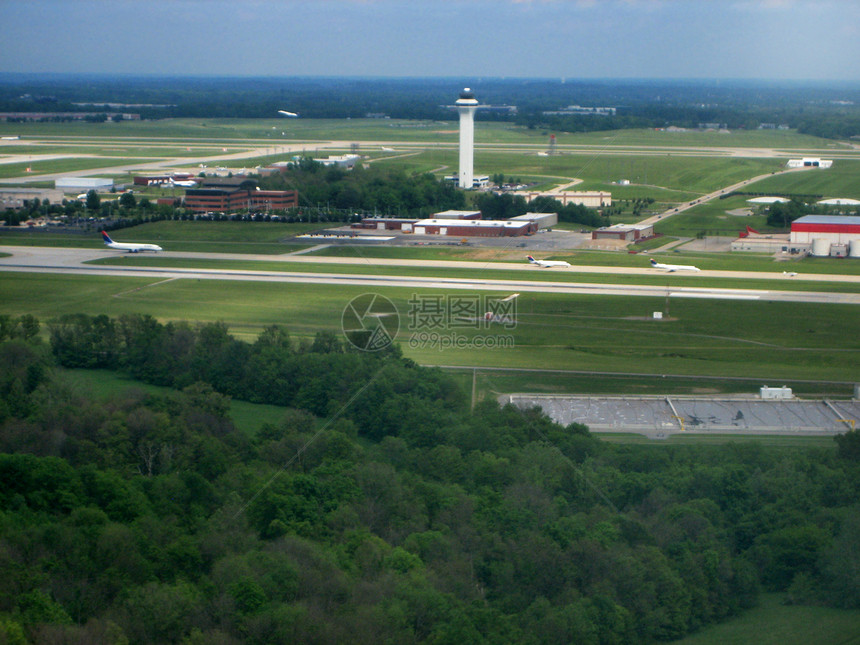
(655, 39)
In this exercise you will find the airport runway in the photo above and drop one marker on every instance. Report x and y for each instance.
(72, 261)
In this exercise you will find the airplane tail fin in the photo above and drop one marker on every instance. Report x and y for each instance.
(106, 238)
(653, 262)
(531, 259)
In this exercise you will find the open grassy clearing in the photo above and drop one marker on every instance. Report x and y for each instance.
(841, 180)
(102, 384)
(270, 238)
(49, 166)
(664, 177)
(402, 130)
(773, 623)
(107, 149)
(770, 341)
(716, 217)
(93, 240)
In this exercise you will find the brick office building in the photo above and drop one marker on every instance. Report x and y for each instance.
(230, 194)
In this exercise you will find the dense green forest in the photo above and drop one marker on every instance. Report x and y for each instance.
(380, 509)
(384, 191)
(821, 109)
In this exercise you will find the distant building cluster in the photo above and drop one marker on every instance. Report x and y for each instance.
(591, 199)
(66, 116)
(625, 232)
(462, 224)
(582, 111)
(816, 235)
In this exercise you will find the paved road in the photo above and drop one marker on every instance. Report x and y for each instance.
(715, 195)
(68, 261)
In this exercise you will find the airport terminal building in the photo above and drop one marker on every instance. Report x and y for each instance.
(462, 224)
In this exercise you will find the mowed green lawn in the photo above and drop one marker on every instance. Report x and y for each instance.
(772, 623)
(841, 180)
(613, 334)
(205, 237)
(280, 129)
(248, 417)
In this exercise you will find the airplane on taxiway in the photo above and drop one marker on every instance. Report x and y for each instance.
(546, 264)
(673, 267)
(292, 115)
(128, 246)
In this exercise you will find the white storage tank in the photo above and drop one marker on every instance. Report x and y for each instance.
(820, 247)
(854, 249)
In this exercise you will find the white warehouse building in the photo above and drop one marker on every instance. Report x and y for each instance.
(78, 184)
(809, 162)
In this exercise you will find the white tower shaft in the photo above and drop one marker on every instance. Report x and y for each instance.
(467, 146)
(466, 106)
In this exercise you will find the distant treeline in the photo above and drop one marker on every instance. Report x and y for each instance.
(817, 109)
(379, 509)
(368, 190)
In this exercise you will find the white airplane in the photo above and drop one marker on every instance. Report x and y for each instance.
(385, 149)
(673, 267)
(183, 183)
(127, 246)
(292, 115)
(546, 264)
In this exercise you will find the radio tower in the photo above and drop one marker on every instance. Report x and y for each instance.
(466, 106)
(551, 150)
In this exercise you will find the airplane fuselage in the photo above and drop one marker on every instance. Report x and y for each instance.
(548, 264)
(134, 248)
(129, 246)
(673, 267)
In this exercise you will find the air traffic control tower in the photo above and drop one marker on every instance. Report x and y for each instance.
(466, 106)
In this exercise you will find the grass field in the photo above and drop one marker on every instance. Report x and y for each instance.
(610, 334)
(248, 417)
(838, 181)
(772, 623)
(399, 130)
(268, 238)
